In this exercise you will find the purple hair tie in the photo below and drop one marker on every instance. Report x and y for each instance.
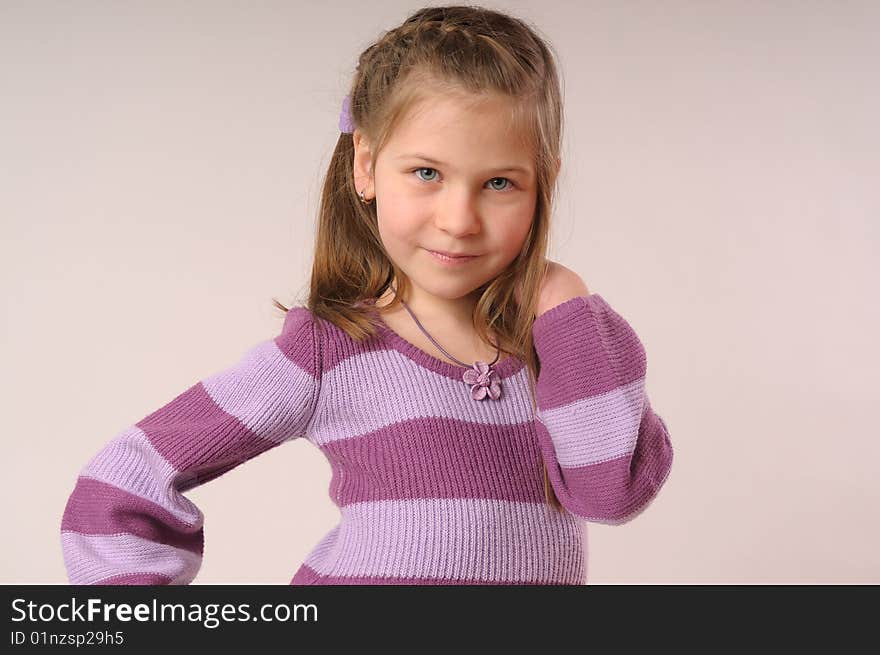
(345, 124)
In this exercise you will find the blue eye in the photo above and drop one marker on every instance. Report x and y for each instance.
(426, 168)
(509, 183)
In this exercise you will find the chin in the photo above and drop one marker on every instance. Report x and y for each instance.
(452, 291)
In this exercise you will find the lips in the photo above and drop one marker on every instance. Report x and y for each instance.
(445, 260)
(452, 254)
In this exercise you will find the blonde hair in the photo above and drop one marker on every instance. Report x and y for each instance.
(468, 51)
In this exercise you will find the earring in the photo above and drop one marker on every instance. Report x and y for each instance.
(361, 194)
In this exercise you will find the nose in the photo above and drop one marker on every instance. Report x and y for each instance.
(458, 214)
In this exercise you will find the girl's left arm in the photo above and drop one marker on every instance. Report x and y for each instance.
(607, 452)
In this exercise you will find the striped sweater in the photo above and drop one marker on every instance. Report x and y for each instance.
(433, 487)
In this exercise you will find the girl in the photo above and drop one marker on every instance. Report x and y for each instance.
(477, 407)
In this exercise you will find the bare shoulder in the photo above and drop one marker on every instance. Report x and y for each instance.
(560, 276)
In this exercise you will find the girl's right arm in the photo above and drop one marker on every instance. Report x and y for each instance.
(127, 520)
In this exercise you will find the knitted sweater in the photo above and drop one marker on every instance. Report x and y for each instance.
(433, 487)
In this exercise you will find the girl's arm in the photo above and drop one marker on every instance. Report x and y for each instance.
(607, 452)
(127, 520)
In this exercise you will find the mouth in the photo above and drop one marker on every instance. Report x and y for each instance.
(452, 259)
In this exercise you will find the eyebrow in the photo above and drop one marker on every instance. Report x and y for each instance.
(502, 169)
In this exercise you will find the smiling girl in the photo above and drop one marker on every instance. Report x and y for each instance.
(477, 403)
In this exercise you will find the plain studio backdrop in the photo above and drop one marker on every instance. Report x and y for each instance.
(160, 169)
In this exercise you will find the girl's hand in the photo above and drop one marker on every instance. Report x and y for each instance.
(559, 285)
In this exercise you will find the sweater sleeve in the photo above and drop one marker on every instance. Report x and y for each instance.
(127, 521)
(607, 452)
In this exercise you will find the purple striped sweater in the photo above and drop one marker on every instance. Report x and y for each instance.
(433, 487)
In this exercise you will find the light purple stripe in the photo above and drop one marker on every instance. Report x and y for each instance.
(615, 491)
(469, 539)
(392, 389)
(596, 429)
(267, 392)
(137, 579)
(130, 462)
(90, 559)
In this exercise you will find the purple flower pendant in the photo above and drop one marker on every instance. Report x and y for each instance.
(484, 381)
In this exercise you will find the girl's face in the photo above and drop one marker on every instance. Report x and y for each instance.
(451, 178)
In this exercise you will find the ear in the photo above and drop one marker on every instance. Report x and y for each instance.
(363, 173)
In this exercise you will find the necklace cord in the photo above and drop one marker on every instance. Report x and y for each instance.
(421, 327)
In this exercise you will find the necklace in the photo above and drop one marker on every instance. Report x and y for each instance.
(481, 376)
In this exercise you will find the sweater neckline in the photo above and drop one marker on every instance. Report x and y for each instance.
(503, 369)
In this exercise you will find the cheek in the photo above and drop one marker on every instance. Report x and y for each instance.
(400, 219)
(396, 229)
(512, 237)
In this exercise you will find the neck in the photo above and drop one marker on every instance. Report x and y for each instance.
(438, 312)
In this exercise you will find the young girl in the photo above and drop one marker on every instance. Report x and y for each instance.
(477, 408)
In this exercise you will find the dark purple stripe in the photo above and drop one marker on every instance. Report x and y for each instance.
(436, 457)
(96, 507)
(199, 439)
(298, 338)
(585, 349)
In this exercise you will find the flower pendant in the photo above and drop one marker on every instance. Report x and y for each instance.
(484, 381)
